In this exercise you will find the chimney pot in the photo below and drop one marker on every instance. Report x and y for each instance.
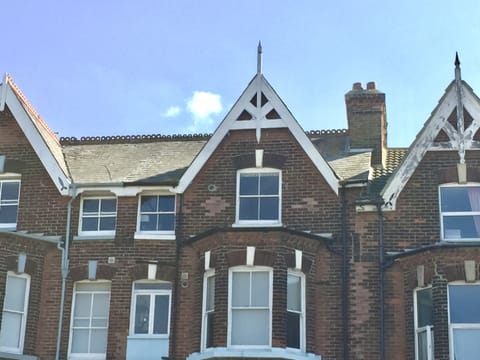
(357, 86)
(371, 85)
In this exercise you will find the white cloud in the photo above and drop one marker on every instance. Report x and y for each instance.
(203, 105)
(172, 111)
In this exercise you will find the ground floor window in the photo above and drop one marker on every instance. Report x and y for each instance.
(464, 320)
(208, 309)
(89, 323)
(250, 305)
(151, 309)
(14, 315)
(295, 310)
(423, 324)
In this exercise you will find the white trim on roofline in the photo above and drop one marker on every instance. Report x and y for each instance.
(258, 85)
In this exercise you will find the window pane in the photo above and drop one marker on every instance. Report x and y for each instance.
(249, 184)
(457, 227)
(250, 327)
(458, 198)
(269, 184)
(160, 322)
(248, 209)
(210, 303)
(100, 305)
(294, 288)
(269, 208)
(82, 305)
(424, 307)
(81, 322)
(80, 341)
(11, 328)
(166, 222)
(464, 301)
(466, 344)
(15, 293)
(8, 214)
(148, 222)
(107, 223)
(89, 224)
(293, 330)
(240, 289)
(98, 342)
(148, 203)
(90, 205)
(109, 205)
(142, 313)
(10, 190)
(422, 345)
(260, 288)
(166, 203)
(209, 330)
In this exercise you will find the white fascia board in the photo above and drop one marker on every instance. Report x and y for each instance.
(3, 93)
(120, 190)
(418, 149)
(37, 142)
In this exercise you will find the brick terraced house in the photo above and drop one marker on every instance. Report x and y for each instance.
(261, 241)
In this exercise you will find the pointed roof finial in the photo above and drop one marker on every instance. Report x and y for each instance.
(259, 58)
(458, 74)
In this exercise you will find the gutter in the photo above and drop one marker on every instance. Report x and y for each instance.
(64, 268)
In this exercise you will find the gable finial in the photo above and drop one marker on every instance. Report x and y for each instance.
(458, 73)
(259, 58)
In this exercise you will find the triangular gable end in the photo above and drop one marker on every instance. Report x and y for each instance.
(446, 129)
(41, 138)
(259, 107)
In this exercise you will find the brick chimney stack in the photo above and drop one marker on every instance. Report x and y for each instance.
(367, 120)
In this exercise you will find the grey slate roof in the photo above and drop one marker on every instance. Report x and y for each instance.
(161, 162)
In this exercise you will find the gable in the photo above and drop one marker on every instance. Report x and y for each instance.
(258, 108)
(453, 125)
(44, 142)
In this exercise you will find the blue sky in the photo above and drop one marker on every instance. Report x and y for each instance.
(116, 67)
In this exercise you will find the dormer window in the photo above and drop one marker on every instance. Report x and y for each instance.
(98, 216)
(460, 212)
(9, 199)
(259, 196)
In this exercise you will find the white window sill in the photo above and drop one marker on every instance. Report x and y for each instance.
(148, 337)
(87, 356)
(277, 353)
(256, 224)
(7, 355)
(94, 237)
(7, 228)
(149, 236)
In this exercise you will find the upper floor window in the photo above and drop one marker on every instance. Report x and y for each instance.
(9, 198)
(150, 315)
(208, 309)
(423, 324)
(14, 315)
(258, 196)
(295, 310)
(460, 212)
(250, 307)
(98, 216)
(89, 322)
(156, 215)
(464, 320)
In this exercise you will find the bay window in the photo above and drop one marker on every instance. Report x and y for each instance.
(423, 324)
(208, 309)
(295, 310)
(250, 307)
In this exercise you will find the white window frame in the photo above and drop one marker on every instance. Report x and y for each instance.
(451, 327)
(455, 213)
(98, 216)
(152, 293)
(259, 222)
(156, 234)
(24, 313)
(208, 274)
(90, 356)
(249, 269)
(428, 329)
(301, 275)
(10, 202)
